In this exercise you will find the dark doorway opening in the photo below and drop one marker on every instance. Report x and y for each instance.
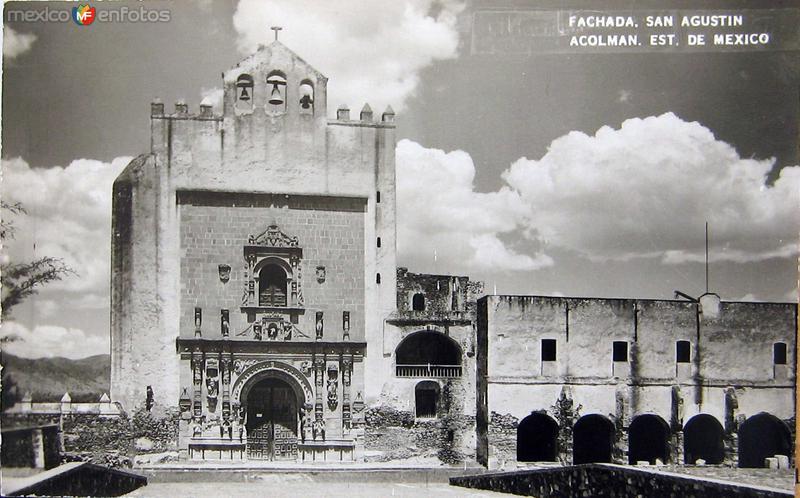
(762, 436)
(272, 411)
(593, 437)
(426, 396)
(537, 439)
(703, 439)
(418, 302)
(648, 437)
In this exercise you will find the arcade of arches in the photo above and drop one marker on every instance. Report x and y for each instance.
(650, 440)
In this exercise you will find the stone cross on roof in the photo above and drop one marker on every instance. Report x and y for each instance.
(276, 29)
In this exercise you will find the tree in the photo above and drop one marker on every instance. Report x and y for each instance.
(21, 280)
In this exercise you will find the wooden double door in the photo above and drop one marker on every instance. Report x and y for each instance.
(272, 421)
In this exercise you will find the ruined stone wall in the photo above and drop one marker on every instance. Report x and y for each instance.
(449, 304)
(396, 434)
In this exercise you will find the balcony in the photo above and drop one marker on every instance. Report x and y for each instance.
(429, 370)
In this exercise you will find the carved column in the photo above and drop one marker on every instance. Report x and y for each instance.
(347, 369)
(319, 379)
(294, 261)
(250, 283)
(226, 386)
(197, 381)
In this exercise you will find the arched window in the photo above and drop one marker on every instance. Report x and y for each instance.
(306, 97)
(244, 92)
(426, 398)
(272, 286)
(428, 354)
(418, 302)
(537, 439)
(648, 437)
(702, 440)
(276, 92)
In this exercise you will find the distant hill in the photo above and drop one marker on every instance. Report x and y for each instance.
(47, 379)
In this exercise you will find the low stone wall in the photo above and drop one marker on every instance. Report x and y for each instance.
(108, 440)
(611, 481)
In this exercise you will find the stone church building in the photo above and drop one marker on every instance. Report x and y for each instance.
(255, 292)
(254, 276)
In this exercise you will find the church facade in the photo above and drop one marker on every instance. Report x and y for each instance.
(253, 260)
(255, 293)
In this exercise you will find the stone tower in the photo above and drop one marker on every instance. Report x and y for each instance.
(254, 251)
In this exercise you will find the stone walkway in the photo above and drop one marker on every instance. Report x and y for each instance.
(316, 484)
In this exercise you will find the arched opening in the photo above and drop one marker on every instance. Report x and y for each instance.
(428, 354)
(537, 439)
(272, 286)
(276, 92)
(418, 302)
(244, 92)
(593, 438)
(426, 398)
(703, 440)
(762, 436)
(306, 91)
(272, 420)
(648, 437)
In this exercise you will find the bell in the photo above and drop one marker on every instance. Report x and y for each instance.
(275, 97)
(244, 95)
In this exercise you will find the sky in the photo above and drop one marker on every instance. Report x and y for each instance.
(577, 173)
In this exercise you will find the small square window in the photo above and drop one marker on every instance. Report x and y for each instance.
(548, 350)
(779, 353)
(620, 351)
(683, 351)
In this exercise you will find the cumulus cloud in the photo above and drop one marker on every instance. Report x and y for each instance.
(440, 212)
(647, 189)
(370, 51)
(644, 190)
(48, 341)
(15, 43)
(69, 217)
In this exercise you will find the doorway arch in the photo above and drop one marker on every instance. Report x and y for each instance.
(703, 440)
(593, 437)
(537, 438)
(762, 436)
(648, 437)
(272, 420)
(273, 396)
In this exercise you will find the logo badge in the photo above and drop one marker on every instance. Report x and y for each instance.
(83, 15)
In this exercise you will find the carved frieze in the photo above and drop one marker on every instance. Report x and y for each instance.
(273, 237)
